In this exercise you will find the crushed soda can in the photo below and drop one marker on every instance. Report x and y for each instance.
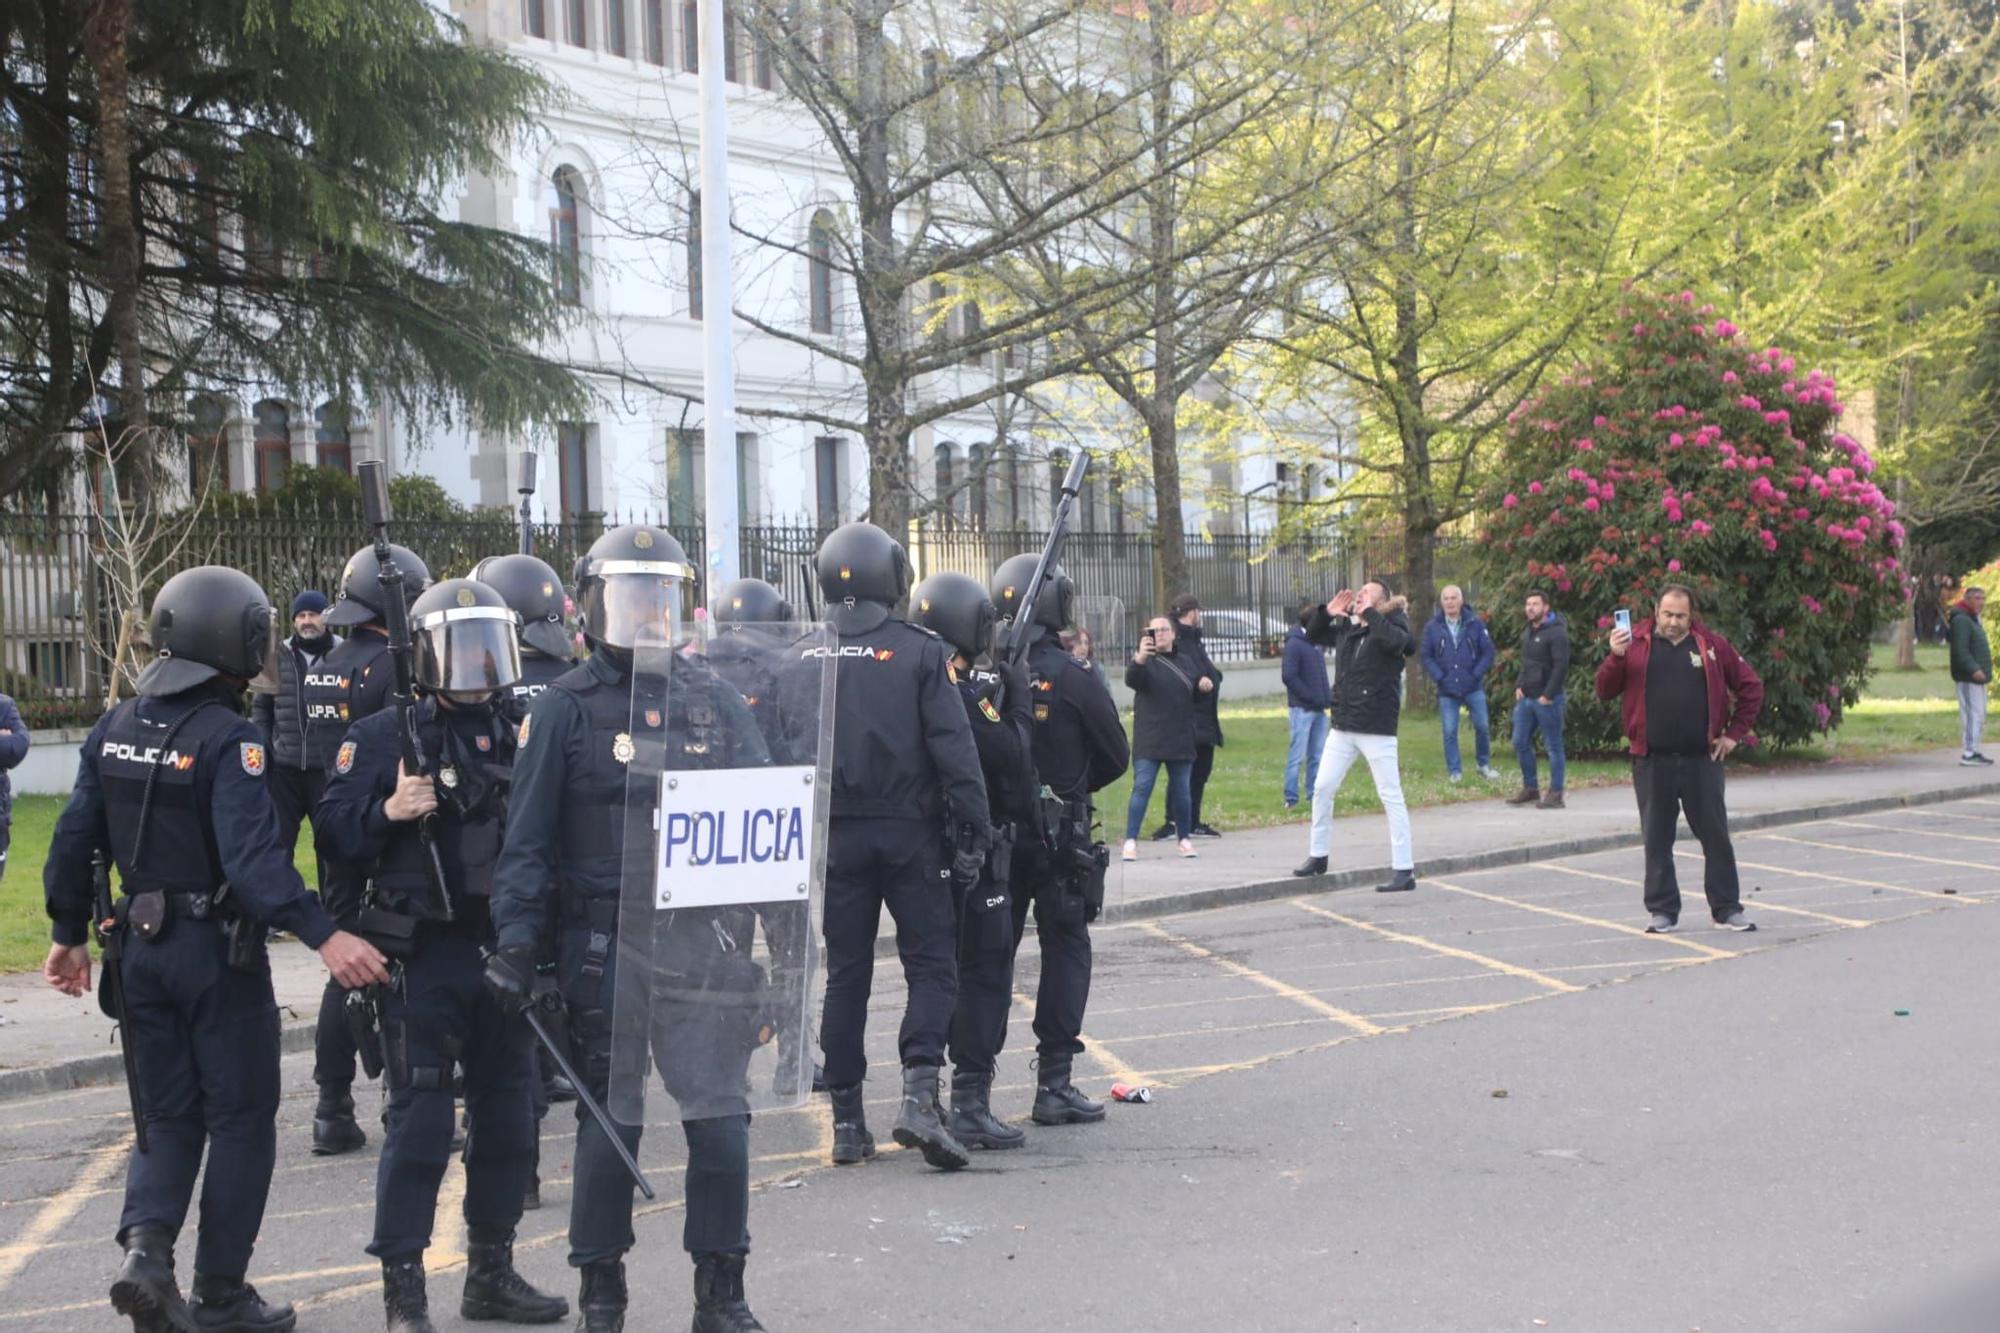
(1130, 1092)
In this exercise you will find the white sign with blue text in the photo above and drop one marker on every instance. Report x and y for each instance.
(734, 835)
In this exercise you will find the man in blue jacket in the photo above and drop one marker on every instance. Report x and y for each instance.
(13, 749)
(1457, 654)
(1310, 695)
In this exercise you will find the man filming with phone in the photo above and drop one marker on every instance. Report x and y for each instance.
(1688, 700)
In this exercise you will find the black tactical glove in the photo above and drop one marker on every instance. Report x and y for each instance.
(510, 979)
(968, 857)
(1020, 686)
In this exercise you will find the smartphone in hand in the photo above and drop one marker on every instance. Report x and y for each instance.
(1621, 619)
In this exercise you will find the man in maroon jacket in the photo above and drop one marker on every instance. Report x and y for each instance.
(1688, 699)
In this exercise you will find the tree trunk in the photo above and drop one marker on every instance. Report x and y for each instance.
(882, 282)
(1906, 628)
(1170, 570)
(1420, 520)
(106, 23)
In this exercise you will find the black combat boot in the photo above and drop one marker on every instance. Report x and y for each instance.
(1312, 865)
(145, 1291)
(972, 1119)
(231, 1305)
(405, 1304)
(719, 1306)
(531, 1197)
(852, 1142)
(601, 1304)
(1057, 1101)
(918, 1124)
(494, 1290)
(335, 1130)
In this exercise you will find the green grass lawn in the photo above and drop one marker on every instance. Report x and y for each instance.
(1904, 710)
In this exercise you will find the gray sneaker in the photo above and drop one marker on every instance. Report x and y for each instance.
(1736, 921)
(1456, 778)
(1662, 924)
(1968, 760)
(1490, 773)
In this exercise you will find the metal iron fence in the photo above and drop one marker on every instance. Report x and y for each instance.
(57, 617)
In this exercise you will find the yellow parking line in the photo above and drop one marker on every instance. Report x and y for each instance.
(1929, 812)
(1580, 919)
(1449, 951)
(1095, 1049)
(1852, 850)
(60, 1209)
(1904, 828)
(1269, 983)
(1858, 883)
(1763, 905)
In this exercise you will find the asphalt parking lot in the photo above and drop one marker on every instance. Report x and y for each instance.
(1495, 1103)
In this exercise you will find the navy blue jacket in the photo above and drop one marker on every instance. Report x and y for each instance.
(1458, 668)
(13, 749)
(229, 776)
(1304, 673)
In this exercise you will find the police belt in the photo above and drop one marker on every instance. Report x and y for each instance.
(193, 906)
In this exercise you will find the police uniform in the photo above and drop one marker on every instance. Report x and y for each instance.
(565, 840)
(538, 672)
(352, 682)
(1001, 726)
(1079, 748)
(904, 767)
(436, 1016)
(204, 1033)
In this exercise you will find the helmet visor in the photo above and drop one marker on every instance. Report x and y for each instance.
(622, 609)
(467, 650)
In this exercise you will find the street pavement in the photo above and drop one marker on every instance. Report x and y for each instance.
(1494, 1103)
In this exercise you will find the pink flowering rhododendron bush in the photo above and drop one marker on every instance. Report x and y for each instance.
(1687, 452)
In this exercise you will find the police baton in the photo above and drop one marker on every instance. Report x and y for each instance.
(1016, 630)
(597, 1112)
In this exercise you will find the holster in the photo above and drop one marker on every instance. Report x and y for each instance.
(249, 944)
(364, 1021)
(394, 933)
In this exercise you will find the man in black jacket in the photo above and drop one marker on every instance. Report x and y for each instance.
(1539, 702)
(299, 754)
(1166, 688)
(1369, 632)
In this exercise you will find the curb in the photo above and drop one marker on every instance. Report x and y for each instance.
(96, 1070)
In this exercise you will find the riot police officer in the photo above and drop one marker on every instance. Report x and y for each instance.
(535, 592)
(1079, 748)
(750, 615)
(350, 683)
(436, 1014)
(908, 811)
(172, 784)
(998, 709)
(565, 840)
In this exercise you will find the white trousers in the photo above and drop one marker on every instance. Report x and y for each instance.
(1342, 749)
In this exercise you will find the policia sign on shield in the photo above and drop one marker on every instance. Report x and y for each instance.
(727, 789)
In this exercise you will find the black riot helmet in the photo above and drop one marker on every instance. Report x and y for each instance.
(209, 621)
(863, 572)
(957, 610)
(361, 584)
(1054, 608)
(464, 636)
(635, 583)
(534, 591)
(751, 602)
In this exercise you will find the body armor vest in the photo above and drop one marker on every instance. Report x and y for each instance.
(472, 782)
(327, 692)
(179, 855)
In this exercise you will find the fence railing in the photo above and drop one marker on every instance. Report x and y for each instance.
(57, 617)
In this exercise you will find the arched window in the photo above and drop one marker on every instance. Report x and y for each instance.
(332, 447)
(694, 253)
(819, 264)
(944, 476)
(975, 473)
(274, 443)
(208, 447)
(566, 233)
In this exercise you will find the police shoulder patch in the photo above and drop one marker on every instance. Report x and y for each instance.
(521, 737)
(344, 761)
(252, 755)
(986, 707)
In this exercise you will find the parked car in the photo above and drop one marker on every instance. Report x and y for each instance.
(1234, 633)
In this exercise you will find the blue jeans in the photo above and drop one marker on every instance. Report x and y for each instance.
(1145, 772)
(1530, 717)
(1482, 733)
(1308, 741)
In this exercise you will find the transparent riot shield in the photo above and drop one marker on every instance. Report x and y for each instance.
(727, 789)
